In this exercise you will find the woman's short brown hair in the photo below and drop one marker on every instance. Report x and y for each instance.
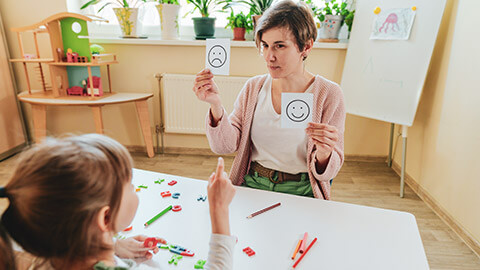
(57, 191)
(296, 17)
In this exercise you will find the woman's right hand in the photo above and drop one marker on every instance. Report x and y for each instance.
(206, 89)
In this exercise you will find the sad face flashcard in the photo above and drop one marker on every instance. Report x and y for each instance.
(218, 56)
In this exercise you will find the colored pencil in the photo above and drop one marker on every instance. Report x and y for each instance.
(303, 255)
(264, 210)
(304, 243)
(296, 249)
(158, 216)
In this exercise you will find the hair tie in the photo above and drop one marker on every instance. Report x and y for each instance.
(3, 192)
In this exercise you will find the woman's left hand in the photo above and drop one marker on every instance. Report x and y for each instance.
(325, 137)
(133, 247)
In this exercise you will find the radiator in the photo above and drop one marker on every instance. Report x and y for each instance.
(182, 111)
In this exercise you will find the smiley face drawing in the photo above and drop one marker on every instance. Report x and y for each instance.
(297, 110)
(217, 56)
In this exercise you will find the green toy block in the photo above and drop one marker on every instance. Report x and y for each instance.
(164, 246)
(159, 181)
(200, 264)
(175, 258)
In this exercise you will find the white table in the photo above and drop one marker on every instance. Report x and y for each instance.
(349, 236)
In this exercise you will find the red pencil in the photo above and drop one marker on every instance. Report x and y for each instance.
(264, 210)
(304, 253)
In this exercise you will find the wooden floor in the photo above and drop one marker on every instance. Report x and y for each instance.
(366, 183)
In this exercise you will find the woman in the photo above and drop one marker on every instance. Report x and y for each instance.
(295, 161)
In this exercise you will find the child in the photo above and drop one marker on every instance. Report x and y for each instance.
(68, 197)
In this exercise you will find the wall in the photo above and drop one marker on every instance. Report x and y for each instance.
(444, 141)
(135, 72)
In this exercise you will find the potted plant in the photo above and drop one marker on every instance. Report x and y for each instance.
(126, 12)
(168, 11)
(240, 24)
(332, 17)
(204, 26)
(257, 7)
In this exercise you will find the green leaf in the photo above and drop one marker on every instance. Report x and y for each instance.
(104, 6)
(91, 2)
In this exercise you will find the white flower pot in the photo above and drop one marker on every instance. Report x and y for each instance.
(331, 26)
(169, 20)
(129, 21)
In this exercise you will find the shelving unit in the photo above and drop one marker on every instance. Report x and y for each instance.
(68, 31)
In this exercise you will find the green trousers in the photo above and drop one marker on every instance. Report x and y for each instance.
(301, 188)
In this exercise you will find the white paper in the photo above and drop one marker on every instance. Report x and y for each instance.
(393, 24)
(217, 57)
(296, 109)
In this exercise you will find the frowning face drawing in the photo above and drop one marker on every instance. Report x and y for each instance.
(217, 56)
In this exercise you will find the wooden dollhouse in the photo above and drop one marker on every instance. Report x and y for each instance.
(72, 60)
(74, 74)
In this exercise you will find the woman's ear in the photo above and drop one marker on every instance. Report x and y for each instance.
(103, 218)
(308, 47)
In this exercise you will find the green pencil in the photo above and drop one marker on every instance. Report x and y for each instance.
(157, 216)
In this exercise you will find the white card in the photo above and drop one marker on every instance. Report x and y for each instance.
(297, 110)
(217, 57)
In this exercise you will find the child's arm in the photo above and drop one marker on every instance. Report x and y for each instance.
(133, 247)
(220, 194)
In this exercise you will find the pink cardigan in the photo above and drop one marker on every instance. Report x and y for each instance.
(233, 133)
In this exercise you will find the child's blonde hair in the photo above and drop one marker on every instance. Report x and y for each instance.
(57, 190)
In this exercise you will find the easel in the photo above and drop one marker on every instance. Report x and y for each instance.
(404, 155)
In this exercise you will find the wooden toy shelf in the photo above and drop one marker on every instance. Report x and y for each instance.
(40, 99)
(71, 56)
(89, 64)
(32, 60)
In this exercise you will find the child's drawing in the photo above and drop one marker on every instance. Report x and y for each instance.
(393, 24)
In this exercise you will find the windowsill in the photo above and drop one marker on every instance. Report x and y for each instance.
(188, 41)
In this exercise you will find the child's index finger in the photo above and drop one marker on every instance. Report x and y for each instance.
(220, 167)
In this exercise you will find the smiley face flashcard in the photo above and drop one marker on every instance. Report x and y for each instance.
(218, 56)
(296, 110)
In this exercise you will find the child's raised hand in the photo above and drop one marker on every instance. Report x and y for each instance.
(220, 195)
(133, 247)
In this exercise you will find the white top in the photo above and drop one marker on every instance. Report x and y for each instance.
(220, 255)
(274, 147)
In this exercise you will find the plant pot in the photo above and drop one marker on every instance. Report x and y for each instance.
(238, 33)
(331, 27)
(129, 21)
(169, 20)
(255, 19)
(204, 27)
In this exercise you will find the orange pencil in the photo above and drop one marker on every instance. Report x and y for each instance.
(303, 255)
(296, 249)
